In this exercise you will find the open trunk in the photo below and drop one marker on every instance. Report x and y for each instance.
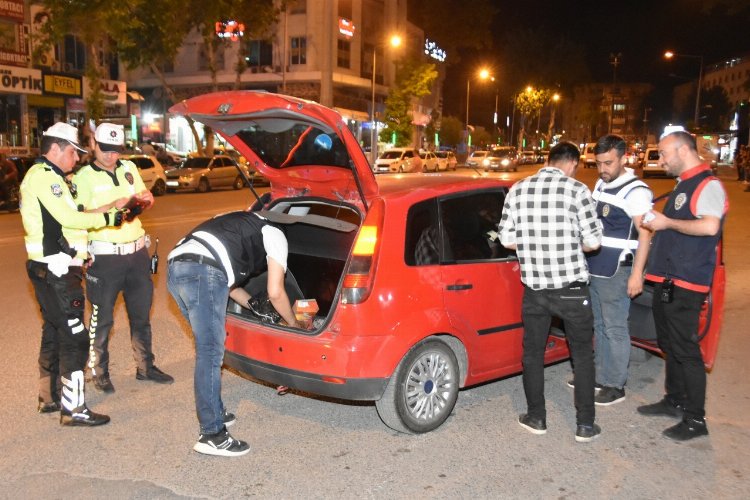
(320, 236)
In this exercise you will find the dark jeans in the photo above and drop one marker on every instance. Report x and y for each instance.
(573, 306)
(677, 334)
(64, 336)
(105, 279)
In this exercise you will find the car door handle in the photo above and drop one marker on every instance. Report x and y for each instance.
(466, 286)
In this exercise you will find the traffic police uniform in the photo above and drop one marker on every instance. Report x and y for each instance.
(120, 262)
(56, 246)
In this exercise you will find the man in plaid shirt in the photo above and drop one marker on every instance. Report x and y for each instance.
(550, 220)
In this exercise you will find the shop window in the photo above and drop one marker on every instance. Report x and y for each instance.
(259, 53)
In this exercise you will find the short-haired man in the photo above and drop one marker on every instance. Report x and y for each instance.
(121, 261)
(617, 267)
(682, 262)
(550, 219)
(56, 246)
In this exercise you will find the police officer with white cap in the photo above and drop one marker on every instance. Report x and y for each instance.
(56, 246)
(120, 257)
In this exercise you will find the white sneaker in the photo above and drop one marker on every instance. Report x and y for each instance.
(221, 444)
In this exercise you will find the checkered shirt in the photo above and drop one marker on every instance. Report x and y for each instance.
(550, 217)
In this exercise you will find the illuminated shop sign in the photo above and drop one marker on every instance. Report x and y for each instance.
(346, 27)
(11, 9)
(69, 86)
(20, 80)
(431, 49)
(231, 30)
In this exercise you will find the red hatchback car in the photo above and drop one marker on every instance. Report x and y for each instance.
(417, 299)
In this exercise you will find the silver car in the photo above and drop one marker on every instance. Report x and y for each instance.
(203, 173)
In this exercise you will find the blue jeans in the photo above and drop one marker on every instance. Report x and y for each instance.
(573, 306)
(611, 306)
(201, 292)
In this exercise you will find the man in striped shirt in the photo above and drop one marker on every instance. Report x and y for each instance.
(550, 220)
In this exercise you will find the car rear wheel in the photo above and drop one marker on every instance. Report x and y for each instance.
(159, 188)
(423, 390)
(239, 183)
(203, 185)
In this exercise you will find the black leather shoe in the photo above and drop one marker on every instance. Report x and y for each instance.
(51, 407)
(663, 408)
(104, 384)
(688, 428)
(82, 417)
(533, 425)
(155, 375)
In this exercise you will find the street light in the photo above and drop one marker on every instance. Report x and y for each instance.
(393, 41)
(550, 129)
(483, 74)
(669, 55)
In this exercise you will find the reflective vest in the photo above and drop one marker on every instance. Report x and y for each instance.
(50, 212)
(688, 260)
(235, 240)
(620, 237)
(98, 187)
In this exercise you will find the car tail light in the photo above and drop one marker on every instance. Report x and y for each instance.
(360, 273)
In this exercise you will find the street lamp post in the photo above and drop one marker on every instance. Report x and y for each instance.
(551, 128)
(483, 75)
(394, 41)
(696, 117)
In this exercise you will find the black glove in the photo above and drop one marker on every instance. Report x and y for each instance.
(134, 212)
(114, 219)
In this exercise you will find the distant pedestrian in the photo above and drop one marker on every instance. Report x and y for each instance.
(550, 219)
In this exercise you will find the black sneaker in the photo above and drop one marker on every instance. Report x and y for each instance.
(82, 417)
(597, 387)
(609, 396)
(688, 428)
(44, 407)
(155, 375)
(586, 433)
(664, 408)
(533, 425)
(103, 383)
(229, 418)
(221, 444)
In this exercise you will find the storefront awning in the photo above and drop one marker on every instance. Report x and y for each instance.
(351, 114)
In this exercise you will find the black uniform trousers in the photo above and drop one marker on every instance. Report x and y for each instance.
(65, 339)
(106, 277)
(677, 334)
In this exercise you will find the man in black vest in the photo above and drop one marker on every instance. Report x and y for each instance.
(682, 262)
(617, 267)
(207, 267)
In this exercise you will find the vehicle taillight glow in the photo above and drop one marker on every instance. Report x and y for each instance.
(360, 272)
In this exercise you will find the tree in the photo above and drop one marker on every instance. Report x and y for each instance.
(480, 137)
(529, 104)
(715, 109)
(83, 19)
(451, 130)
(413, 80)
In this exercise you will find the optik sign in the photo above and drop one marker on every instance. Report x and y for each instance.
(20, 80)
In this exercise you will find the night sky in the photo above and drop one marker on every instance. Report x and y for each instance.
(639, 30)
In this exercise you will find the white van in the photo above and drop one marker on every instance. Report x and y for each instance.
(588, 156)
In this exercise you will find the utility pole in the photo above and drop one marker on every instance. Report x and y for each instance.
(614, 60)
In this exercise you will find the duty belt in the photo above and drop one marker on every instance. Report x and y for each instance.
(107, 248)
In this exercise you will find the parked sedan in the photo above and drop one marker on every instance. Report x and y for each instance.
(203, 173)
(402, 269)
(446, 160)
(429, 161)
(475, 159)
(152, 172)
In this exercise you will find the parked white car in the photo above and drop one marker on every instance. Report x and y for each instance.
(446, 160)
(398, 160)
(429, 161)
(476, 158)
(152, 172)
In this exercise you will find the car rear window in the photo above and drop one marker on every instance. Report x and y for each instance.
(295, 145)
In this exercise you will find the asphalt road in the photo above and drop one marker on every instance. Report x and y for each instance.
(304, 447)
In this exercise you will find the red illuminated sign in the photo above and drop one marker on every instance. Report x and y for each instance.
(346, 27)
(230, 29)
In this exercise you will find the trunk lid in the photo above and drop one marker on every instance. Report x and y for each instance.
(302, 148)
